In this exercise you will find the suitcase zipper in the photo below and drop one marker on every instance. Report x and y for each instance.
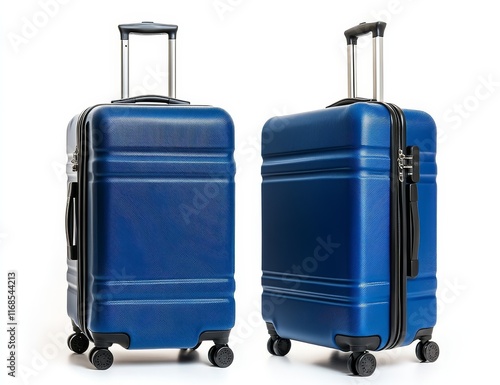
(74, 160)
(78, 161)
(402, 165)
(399, 228)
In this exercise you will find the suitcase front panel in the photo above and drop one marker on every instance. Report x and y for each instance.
(160, 257)
(326, 187)
(326, 239)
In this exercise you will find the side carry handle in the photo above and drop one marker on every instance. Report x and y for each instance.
(413, 217)
(377, 29)
(413, 231)
(71, 228)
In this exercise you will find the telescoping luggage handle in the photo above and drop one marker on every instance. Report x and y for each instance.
(377, 29)
(148, 28)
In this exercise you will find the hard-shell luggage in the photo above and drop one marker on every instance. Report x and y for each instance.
(349, 224)
(150, 222)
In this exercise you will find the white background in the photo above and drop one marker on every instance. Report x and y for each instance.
(255, 59)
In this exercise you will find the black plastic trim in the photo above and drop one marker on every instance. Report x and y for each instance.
(147, 28)
(424, 334)
(348, 101)
(271, 330)
(377, 29)
(105, 340)
(357, 344)
(75, 327)
(150, 99)
(399, 231)
(219, 337)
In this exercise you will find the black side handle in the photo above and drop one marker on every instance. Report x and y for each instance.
(71, 232)
(147, 27)
(413, 231)
(377, 29)
(150, 99)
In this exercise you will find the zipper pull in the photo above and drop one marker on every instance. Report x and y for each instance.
(74, 160)
(409, 164)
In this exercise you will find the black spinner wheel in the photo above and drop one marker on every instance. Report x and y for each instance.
(78, 343)
(427, 351)
(366, 364)
(211, 354)
(419, 353)
(281, 346)
(101, 358)
(362, 364)
(221, 356)
(270, 349)
(350, 365)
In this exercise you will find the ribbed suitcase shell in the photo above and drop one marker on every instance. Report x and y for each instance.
(160, 210)
(326, 224)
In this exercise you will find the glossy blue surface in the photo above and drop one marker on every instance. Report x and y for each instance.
(160, 223)
(325, 224)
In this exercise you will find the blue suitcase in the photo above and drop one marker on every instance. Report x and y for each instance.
(150, 222)
(349, 224)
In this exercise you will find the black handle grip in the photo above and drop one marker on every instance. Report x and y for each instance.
(147, 27)
(414, 231)
(150, 99)
(71, 220)
(377, 29)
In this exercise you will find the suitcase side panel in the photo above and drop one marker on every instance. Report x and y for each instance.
(161, 224)
(325, 225)
(421, 310)
(72, 273)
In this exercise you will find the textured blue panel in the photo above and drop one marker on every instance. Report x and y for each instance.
(326, 221)
(160, 223)
(421, 302)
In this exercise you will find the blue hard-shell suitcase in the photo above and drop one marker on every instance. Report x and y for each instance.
(150, 222)
(349, 225)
